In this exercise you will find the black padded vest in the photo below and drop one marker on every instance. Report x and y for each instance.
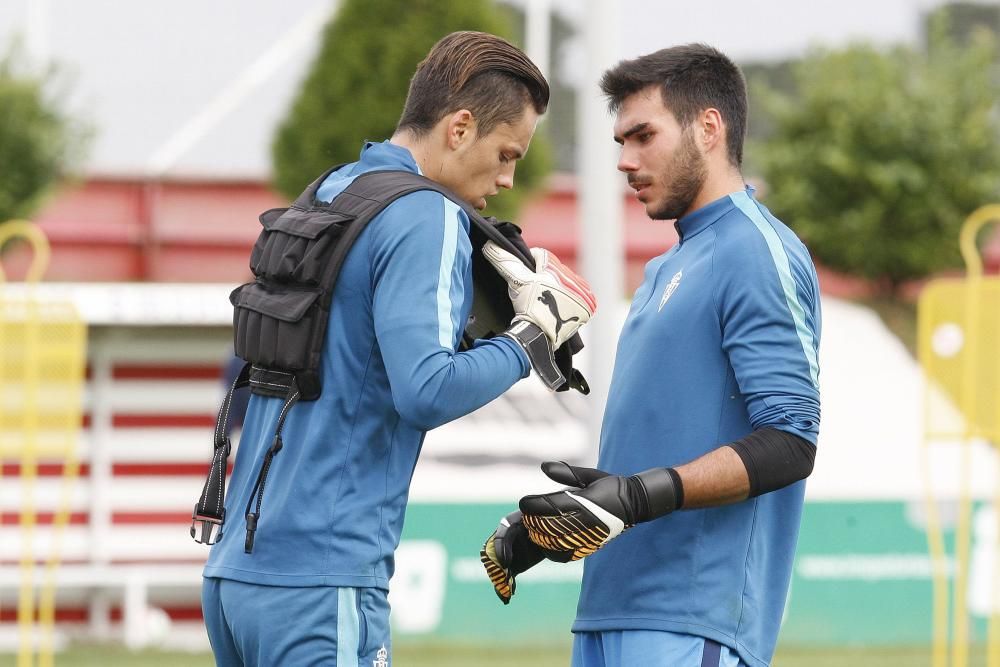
(280, 319)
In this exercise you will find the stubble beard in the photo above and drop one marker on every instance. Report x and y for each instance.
(683, 179)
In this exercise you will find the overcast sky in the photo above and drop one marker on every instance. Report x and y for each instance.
(197, 87)
(764, 30)
(752, 31)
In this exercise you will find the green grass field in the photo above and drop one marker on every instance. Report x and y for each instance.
(405, 655)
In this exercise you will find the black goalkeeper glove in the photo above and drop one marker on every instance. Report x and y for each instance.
(570, 525)
(507, 553)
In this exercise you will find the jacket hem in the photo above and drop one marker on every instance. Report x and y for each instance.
(295, 580)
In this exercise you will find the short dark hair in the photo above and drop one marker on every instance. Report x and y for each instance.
(692, 78)
(477, 71)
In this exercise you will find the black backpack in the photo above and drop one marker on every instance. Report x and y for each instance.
(280, 319)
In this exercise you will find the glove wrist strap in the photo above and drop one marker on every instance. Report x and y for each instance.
(536, 345)
(662, 490)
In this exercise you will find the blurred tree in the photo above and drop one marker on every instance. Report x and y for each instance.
(881, 155)
(773, 77)
(38, 143)
(963, 20)
(358, 83)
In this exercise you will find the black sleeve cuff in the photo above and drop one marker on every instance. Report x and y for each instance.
(774, 459)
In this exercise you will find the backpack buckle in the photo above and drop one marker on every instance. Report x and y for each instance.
(206, 529)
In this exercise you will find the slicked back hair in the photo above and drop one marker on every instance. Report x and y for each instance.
(691, 78)
(477, 71)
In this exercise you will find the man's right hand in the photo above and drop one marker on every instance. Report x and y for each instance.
(552, 296)
(507, 553)
(574, 523)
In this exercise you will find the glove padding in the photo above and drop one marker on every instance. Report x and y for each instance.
(507, 553)
(552, 296)
(569, 525)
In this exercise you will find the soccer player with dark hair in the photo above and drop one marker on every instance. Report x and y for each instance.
(690, 520)
(305, 582)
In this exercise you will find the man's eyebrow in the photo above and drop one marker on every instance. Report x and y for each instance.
(638, 127)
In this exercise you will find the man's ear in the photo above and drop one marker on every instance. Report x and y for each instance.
(461, 129)
(711, 129)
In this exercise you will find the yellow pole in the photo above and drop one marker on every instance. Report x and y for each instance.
(29, 473)
(960, 626)
(935, 531)
(969, 407)
(70, 423)
(993, 625)
(30, 368)
(981, 217)
(40, 246)
(992, 638)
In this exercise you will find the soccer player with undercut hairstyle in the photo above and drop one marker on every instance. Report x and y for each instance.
(690, 519)
(300, 576)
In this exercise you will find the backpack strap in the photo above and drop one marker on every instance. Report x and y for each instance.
(371, 192)
(258, 488)
(209, 512)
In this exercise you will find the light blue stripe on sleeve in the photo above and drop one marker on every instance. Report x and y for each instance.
(446, 328)
(780, 258)
(348, 627)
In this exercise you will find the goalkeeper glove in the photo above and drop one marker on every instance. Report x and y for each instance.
(552, 296)
(507, 553)
(550, 304)
(570, 524)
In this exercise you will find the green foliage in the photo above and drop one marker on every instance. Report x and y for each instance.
(38, 144)
(881, 155)
(962, 20)
(357, 86)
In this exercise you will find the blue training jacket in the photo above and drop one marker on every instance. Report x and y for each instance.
(336, 493)
(722, 338)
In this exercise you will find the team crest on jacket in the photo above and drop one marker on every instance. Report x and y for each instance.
(670, 289)
(381, 658)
